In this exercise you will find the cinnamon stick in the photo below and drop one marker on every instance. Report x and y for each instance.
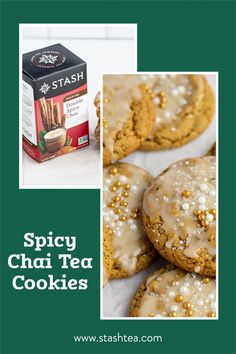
(56, 113)
(50, 113)
(43, 111)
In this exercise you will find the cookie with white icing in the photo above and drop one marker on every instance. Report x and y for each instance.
(172, 292)
(128, 115)
(123, 188)
(184, 108)
(179, 213)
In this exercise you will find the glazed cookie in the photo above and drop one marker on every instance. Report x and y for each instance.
(107, 255)
(128, 115)
(172, 292)
(212, 151)
(184, 108)
(124, 185)
(179, 213)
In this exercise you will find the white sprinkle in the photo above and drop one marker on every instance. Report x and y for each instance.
(123, 178)
(185, 206)
(212, 192)
(133, 227)
(171, 293)
(202, 207)
(167, 114)
(183, 289)
(181, 89)
(174, 92)
(156, 100)
(202, 199)
(197, 269)
(174, 308)
(209, 217)
(168, 244)
(203, 187)
(134, 187)
(200, 302)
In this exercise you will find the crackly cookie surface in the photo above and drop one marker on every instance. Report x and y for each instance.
(107, 255)
(179, 213)
(124, 185)
(128, 115)
(184, 108)
(172, 292)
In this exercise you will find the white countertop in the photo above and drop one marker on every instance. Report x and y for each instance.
(80, 168)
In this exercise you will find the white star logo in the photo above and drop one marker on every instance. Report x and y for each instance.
(44, 88)
(48, 59)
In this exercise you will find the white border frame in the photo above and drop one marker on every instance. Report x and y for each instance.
(21, 25)
(216, 73)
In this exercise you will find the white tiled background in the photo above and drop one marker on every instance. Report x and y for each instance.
(79, 32)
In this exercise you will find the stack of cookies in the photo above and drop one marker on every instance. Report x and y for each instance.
(171, 216)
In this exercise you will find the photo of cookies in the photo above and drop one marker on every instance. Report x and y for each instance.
(158, 134)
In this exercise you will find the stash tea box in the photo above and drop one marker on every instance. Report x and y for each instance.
(54, 102)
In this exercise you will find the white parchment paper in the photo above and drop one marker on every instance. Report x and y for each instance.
(118, 294)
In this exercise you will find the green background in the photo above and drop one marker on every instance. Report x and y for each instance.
(172, 35)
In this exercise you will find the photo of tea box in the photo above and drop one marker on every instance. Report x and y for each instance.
(54, 103)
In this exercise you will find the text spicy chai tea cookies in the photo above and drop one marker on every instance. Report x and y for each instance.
(123, 232)
(179, 214)
(54, 103)
(172, 292)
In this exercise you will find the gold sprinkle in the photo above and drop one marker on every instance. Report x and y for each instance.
(123, 203)
(123, 218)
(205, 280)
(162, 93)
(186, 193)
(116, 198)
(205, 223)
(162, 105)
(179, 298)
(117, 183)
(134, 216)
(113, 171)
(117, 210)
(201, 216)
(113, 188)
(188, 313)
(172, 314)
(212, 211)
(197, 212)
(135, 210)
(125, 194)
(126, 186)
(211, 314)
(110, 232)
(111, 205)
(187, 305)
(151, 314)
